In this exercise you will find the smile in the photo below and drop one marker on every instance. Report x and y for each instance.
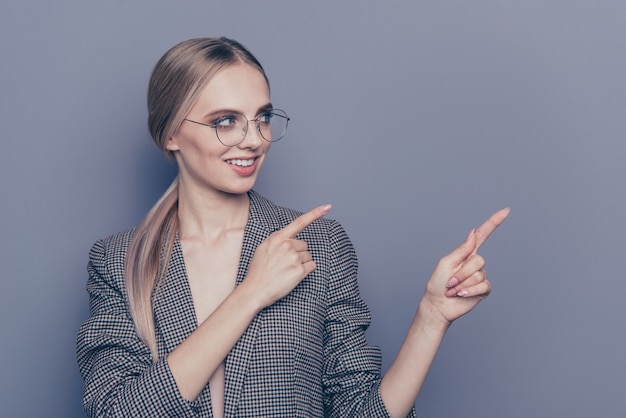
(241, 163)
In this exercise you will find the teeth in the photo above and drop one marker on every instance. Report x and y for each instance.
(242, 163)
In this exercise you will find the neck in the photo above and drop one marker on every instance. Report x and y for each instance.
(208, 215)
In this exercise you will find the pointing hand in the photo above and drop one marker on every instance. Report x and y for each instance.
(281, 261)
(459, 281)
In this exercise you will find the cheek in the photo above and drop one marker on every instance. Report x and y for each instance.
(196, 154)
(194, 144)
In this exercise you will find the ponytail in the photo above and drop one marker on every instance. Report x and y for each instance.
(147, 261)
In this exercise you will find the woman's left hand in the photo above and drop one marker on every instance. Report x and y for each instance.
(459, 281)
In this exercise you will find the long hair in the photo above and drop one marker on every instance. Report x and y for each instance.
(176, 82)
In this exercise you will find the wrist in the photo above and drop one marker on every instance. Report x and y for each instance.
(431, 317)
(249, 298)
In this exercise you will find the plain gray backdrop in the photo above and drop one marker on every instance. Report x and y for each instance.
(416, 119)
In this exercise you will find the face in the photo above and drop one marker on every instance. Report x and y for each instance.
(204, 163)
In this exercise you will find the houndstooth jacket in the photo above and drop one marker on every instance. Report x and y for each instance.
(304, 356)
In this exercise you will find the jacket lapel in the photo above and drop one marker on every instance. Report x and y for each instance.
(261, 223)
(173, 305)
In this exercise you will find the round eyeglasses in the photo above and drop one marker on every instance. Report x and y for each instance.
(231, 128)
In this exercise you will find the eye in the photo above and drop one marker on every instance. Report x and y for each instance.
(265, 118)
(225, 122)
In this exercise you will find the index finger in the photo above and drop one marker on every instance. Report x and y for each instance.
(490, 225)
(304, 220)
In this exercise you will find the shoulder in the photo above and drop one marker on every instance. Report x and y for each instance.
(113, 244)
(105, 267)
(112, 249)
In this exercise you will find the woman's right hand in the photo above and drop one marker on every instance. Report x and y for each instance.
(281, 261)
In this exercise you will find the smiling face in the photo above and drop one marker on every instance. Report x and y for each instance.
(204, 163)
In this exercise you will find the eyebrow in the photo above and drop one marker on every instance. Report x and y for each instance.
(217, 112)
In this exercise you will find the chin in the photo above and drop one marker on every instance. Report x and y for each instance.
(240, 189)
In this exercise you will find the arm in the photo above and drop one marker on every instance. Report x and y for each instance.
(120, 377)
(351, 376)
(456, 286)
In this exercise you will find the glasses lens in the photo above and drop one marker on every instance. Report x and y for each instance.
(231, 129)
(273, 125)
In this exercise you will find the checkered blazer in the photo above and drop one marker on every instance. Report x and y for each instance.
(303, 356)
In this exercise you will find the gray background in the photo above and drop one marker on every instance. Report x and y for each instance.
(415, 119)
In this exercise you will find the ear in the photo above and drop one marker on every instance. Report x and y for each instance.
(171, 144)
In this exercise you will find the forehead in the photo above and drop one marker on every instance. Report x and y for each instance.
(236, 87)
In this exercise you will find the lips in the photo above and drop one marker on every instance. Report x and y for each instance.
(243, 167)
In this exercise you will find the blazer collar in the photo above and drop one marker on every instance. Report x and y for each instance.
(261, 223)
(174, 313)
(264, 215)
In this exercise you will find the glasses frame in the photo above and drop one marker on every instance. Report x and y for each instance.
(256, 121)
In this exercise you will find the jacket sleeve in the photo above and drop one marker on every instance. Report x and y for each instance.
(352, 368)
(120, 378)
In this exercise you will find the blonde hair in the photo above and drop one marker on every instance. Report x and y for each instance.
(177, 80)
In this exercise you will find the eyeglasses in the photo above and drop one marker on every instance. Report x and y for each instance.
(231, 128)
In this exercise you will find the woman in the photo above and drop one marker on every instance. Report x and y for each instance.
(261, 316)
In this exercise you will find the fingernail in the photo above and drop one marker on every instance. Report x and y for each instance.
(452, 282)
(463, 293)
(470, 234)
(451, 292)
(326, 207)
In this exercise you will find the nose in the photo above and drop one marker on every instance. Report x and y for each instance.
(252, 138)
